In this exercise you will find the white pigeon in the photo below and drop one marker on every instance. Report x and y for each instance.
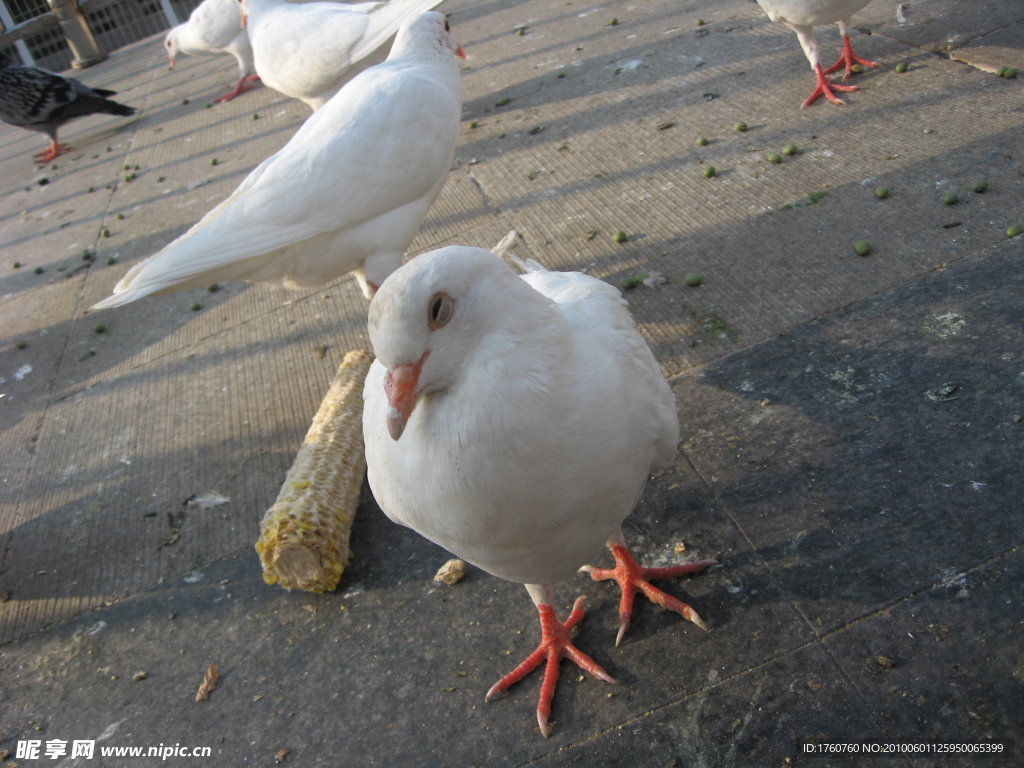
(514, 420)
(346, 194)
(802, 16)
(310, 50)
(214, 27)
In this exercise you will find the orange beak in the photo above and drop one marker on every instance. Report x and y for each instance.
(460, 53)
(400, 387)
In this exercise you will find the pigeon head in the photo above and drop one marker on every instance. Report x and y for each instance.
(428, 34)
(171, 44)
(432, 315)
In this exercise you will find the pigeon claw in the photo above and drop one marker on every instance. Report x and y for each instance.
(554, 644)
(52, 152)
(826, 88)
(632, 577)
(847, 58)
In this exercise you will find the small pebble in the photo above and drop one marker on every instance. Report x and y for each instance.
(709, 171)
(620, 237)
(902, 66)
(950, 198)
(693, 279)
(862, 247)
(881, 192)
(1015, 230)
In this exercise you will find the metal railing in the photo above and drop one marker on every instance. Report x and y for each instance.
(33, 32)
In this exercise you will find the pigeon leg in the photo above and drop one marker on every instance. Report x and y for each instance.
(847, 58)
(241, 87)
(632, 577)
(554, 644)
(52, 152)
(824, 87)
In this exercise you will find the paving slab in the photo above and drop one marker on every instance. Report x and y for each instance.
(851, 425)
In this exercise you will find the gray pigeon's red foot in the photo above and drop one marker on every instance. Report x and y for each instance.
(52, 152)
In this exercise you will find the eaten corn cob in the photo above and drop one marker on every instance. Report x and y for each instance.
(303, 540)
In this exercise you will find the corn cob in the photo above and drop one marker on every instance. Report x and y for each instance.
(303, 540)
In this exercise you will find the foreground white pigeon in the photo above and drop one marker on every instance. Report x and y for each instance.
(310, 50)
(514, 420)
(802, 16)
(346, 194)
(214, 27)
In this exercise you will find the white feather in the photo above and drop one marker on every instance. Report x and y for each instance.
(310, 50)
(541, 415)
(346, 194)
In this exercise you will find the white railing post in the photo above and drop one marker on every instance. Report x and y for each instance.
(5, 17)
(172, 17)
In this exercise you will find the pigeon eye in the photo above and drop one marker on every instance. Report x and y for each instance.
(440, 312)
(447, 27)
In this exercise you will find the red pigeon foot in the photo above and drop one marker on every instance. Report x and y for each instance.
(242, 86)
(847, 58)
(632, 577)
(826, 87)
(554, 644)
(52, 152)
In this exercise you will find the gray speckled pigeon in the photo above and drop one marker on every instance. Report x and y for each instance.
(43, 101)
